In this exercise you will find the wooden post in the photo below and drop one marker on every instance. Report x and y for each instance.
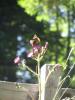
(48, 91)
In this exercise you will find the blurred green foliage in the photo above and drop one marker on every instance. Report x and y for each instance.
(58, 19)
(51, 20)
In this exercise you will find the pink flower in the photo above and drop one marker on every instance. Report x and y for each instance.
(17, 60)
(36, 48)
(46, 44)
(35, 51)
(30, 54)
(35, 40)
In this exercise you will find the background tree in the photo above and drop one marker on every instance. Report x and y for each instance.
(54, 14)
(52, 20)
(14, 23)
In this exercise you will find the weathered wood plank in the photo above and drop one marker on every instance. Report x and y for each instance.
(8, 91)
(68, 92)
(52, 82)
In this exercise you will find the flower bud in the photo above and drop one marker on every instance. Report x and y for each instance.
(17, 60)
(46, 44)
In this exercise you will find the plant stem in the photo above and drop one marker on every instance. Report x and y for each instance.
(39, 79)
(31, 71)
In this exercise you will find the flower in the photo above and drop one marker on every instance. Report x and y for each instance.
(35, 40)
(35, 51)
(30, 54)
(17, 60)
(46, 44)
(36, 48)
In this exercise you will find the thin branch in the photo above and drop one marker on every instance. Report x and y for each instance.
(31, 71)
(25, 66)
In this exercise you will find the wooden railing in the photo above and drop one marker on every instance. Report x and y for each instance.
(24, 91)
